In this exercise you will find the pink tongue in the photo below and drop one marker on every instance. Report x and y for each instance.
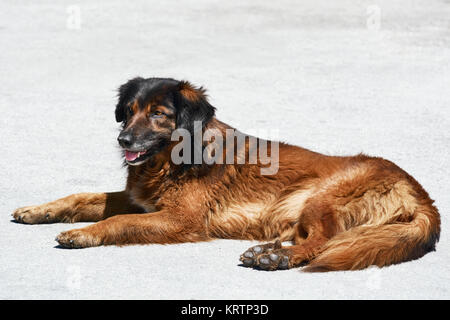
(131, 156)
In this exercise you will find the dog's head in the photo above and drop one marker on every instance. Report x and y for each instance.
(151, 109)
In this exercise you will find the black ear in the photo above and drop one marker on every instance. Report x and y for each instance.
(125, 92)
(192, 105)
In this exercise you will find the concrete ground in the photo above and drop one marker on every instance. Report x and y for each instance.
(338, 77)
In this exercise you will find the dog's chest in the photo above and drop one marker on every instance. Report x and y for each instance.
(138, 198)
(144, 195)
(146, 187)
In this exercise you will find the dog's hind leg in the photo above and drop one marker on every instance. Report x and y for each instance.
(358, 221)
(82, 207)
(316, 226)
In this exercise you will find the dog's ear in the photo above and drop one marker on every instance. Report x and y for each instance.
(192, 105)
(125, 92)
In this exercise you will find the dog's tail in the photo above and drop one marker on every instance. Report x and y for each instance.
(380, 245)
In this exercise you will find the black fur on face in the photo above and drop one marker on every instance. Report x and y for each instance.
(126, 93)
(139, 106)
(190, 102)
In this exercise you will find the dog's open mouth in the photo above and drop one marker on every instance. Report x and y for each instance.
(134, 157)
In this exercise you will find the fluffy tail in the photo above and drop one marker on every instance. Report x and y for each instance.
(380, 245)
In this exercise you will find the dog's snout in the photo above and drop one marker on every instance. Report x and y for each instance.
(125, 139)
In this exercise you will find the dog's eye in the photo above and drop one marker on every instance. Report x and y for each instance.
(157, 114)
(130, 111)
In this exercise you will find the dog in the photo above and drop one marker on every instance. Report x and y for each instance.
(340, 213)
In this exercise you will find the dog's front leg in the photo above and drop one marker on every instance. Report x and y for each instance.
(82, 207)
(158, 227)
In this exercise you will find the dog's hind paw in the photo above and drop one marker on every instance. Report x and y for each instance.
(269, 256)
(277, 260)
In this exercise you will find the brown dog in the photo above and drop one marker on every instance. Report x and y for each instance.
(340, 212)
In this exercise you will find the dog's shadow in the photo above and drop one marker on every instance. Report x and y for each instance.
(259, 269)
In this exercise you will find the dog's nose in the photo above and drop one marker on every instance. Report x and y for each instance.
(125, 139)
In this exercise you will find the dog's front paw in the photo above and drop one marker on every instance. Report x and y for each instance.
(34, 215)
(269, 256)
(78, 238)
